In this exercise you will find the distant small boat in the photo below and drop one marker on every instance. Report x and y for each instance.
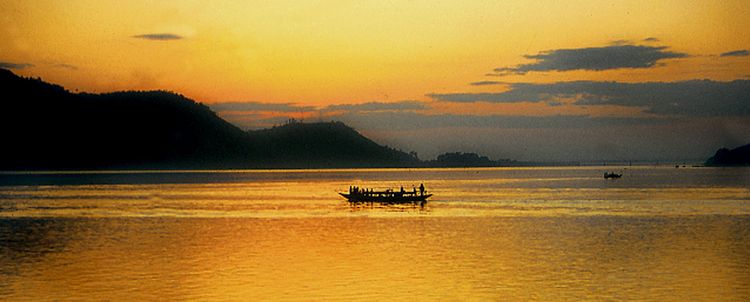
(612, 175)
(388, 196)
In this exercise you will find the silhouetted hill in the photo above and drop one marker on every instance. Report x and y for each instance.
(330, 144)
(458, 159)
(46, 127)
(739, 156)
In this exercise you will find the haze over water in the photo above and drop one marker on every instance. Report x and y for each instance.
(659, 233)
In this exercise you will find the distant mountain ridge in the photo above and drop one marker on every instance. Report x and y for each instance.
(739, 156)
(459, 159)
(45, 126)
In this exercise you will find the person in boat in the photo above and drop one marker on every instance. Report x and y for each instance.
(414, 190)
(421, 189)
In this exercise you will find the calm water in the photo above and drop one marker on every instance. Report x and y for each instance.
(488, 234)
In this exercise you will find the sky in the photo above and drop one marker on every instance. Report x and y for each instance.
(526, 80)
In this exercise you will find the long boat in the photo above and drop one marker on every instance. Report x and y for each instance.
(612, 175)
(387, 196)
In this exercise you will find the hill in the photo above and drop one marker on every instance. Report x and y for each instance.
(458, 159)
(45, 126)
(331, 144)
(739, 156)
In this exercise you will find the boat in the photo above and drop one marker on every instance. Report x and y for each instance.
(359, 195)
(612, 175)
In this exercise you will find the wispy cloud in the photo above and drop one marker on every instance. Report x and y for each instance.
(10, 65)
(621, 42)
(686, 98)
(379, 106)
(484, 83)
(736, 53)
(159, 37)
(66, 66)
(296, 108)
(594, 58)
(259, 106)
(651, 39)
(252, 115)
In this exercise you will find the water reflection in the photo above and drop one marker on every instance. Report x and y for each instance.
(546, 258)
(369, 207)
(25, 242)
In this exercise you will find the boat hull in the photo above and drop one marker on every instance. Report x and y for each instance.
(386, 199)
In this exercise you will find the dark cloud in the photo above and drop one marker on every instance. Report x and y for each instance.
(159, 37)
(736, 53)
(9, 65)
(687, 98)
(594, 58)
(257, 106)
(483, 83)
(395, 121)
(416, 120)
(651, 39)
(379, 106)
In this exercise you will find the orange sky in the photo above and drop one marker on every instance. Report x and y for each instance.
(323, 52)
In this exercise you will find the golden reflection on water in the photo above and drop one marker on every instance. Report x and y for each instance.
(544, 258)
(488, 234)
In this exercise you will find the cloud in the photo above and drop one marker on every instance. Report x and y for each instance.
(621, 42)
(9, 65)
(255, 115)
(594, 58)
(289, 107)
(397, 121)
(258, 106)
(379, 106)
(686, 98)
(651, 39)
(483, 83)
(736, 53)
(417, 120)
(159, 37)
(66, 66)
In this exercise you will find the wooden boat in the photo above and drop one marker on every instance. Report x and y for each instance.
(387, 196)
(612, 175)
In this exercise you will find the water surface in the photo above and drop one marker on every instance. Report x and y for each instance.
(658, 233)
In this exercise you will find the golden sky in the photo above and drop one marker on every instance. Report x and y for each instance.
(322, 52)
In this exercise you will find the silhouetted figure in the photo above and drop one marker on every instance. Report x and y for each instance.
(421, 189)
